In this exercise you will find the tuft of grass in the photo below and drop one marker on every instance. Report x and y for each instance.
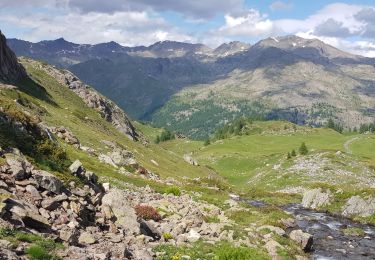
(228, 252)
(353, 231)
(37, 252)
(173, 190)
(40, 248)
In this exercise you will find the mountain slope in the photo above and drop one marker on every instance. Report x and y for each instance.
(193, 89)
(10, 70)
(276, 80)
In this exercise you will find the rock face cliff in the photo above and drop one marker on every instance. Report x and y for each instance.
(10, 69)
(105, 107)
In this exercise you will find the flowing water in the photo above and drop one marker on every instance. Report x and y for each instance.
(330, 242)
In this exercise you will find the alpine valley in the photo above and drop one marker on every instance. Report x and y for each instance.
(180, 151)
(193, 89)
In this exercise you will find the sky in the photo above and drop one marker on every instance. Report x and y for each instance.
(348, 25)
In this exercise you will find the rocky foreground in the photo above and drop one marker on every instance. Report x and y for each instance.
(95, 221)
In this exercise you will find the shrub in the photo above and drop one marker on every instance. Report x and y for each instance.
(167, 236)
(147, 212)
(37, 252)
(173, 190)
(293, 153)
(303, 149)
(51, 155)
(207, 142)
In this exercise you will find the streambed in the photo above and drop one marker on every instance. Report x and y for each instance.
(330, 241)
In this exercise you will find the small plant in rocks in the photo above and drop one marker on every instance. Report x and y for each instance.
(147, 212)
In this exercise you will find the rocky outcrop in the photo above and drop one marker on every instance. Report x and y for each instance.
(106, 108)
(302, 238)
(357, 206)
(10, 70)
(316, 198)
(96, 221)
(189, 159)
(65, 135)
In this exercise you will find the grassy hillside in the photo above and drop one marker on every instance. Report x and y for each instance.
(256, 164)
(61, 107)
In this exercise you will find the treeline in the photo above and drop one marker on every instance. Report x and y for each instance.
(234, 128)
(367, 128)
(335, 126)
(166, 135)
(363, 128)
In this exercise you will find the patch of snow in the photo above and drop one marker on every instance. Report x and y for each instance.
(294, 44)
(276, 40)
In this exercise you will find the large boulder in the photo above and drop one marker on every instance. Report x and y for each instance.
(148, 228)
(26, 213)
(316, 198)
(76, 167)
(48, 181)
(304, 239)
(359, 206)
(19, 167)
(124, 213)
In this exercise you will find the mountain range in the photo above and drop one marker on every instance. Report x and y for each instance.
(193, 89)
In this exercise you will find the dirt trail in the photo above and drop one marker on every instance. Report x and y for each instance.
(348, 143)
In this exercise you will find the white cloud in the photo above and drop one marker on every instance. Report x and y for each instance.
(281, 6)
(191, 8)
(249, 24)
(127, 28)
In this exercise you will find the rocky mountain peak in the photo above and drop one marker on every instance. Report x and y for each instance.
(307, 48)
(10, 69)
(231, 48)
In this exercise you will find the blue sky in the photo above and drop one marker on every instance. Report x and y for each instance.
(348, 25)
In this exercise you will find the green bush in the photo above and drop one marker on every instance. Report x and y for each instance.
(167, 236)
(51, 155)
(173, 190)
(303, 149)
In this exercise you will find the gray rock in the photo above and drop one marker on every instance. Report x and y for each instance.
(27, 213)
(304, 239)
(10, 70)
(316, 198)
(193, 236)
(125, 214)
(5, 244)
(34, 192)
(76, 167)
(272, 247)
(50, 204)
(86, 238)
(48, 181)
(359, 206)
(19, 167)
(8, 254)
(69, 236)
(148, 228)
